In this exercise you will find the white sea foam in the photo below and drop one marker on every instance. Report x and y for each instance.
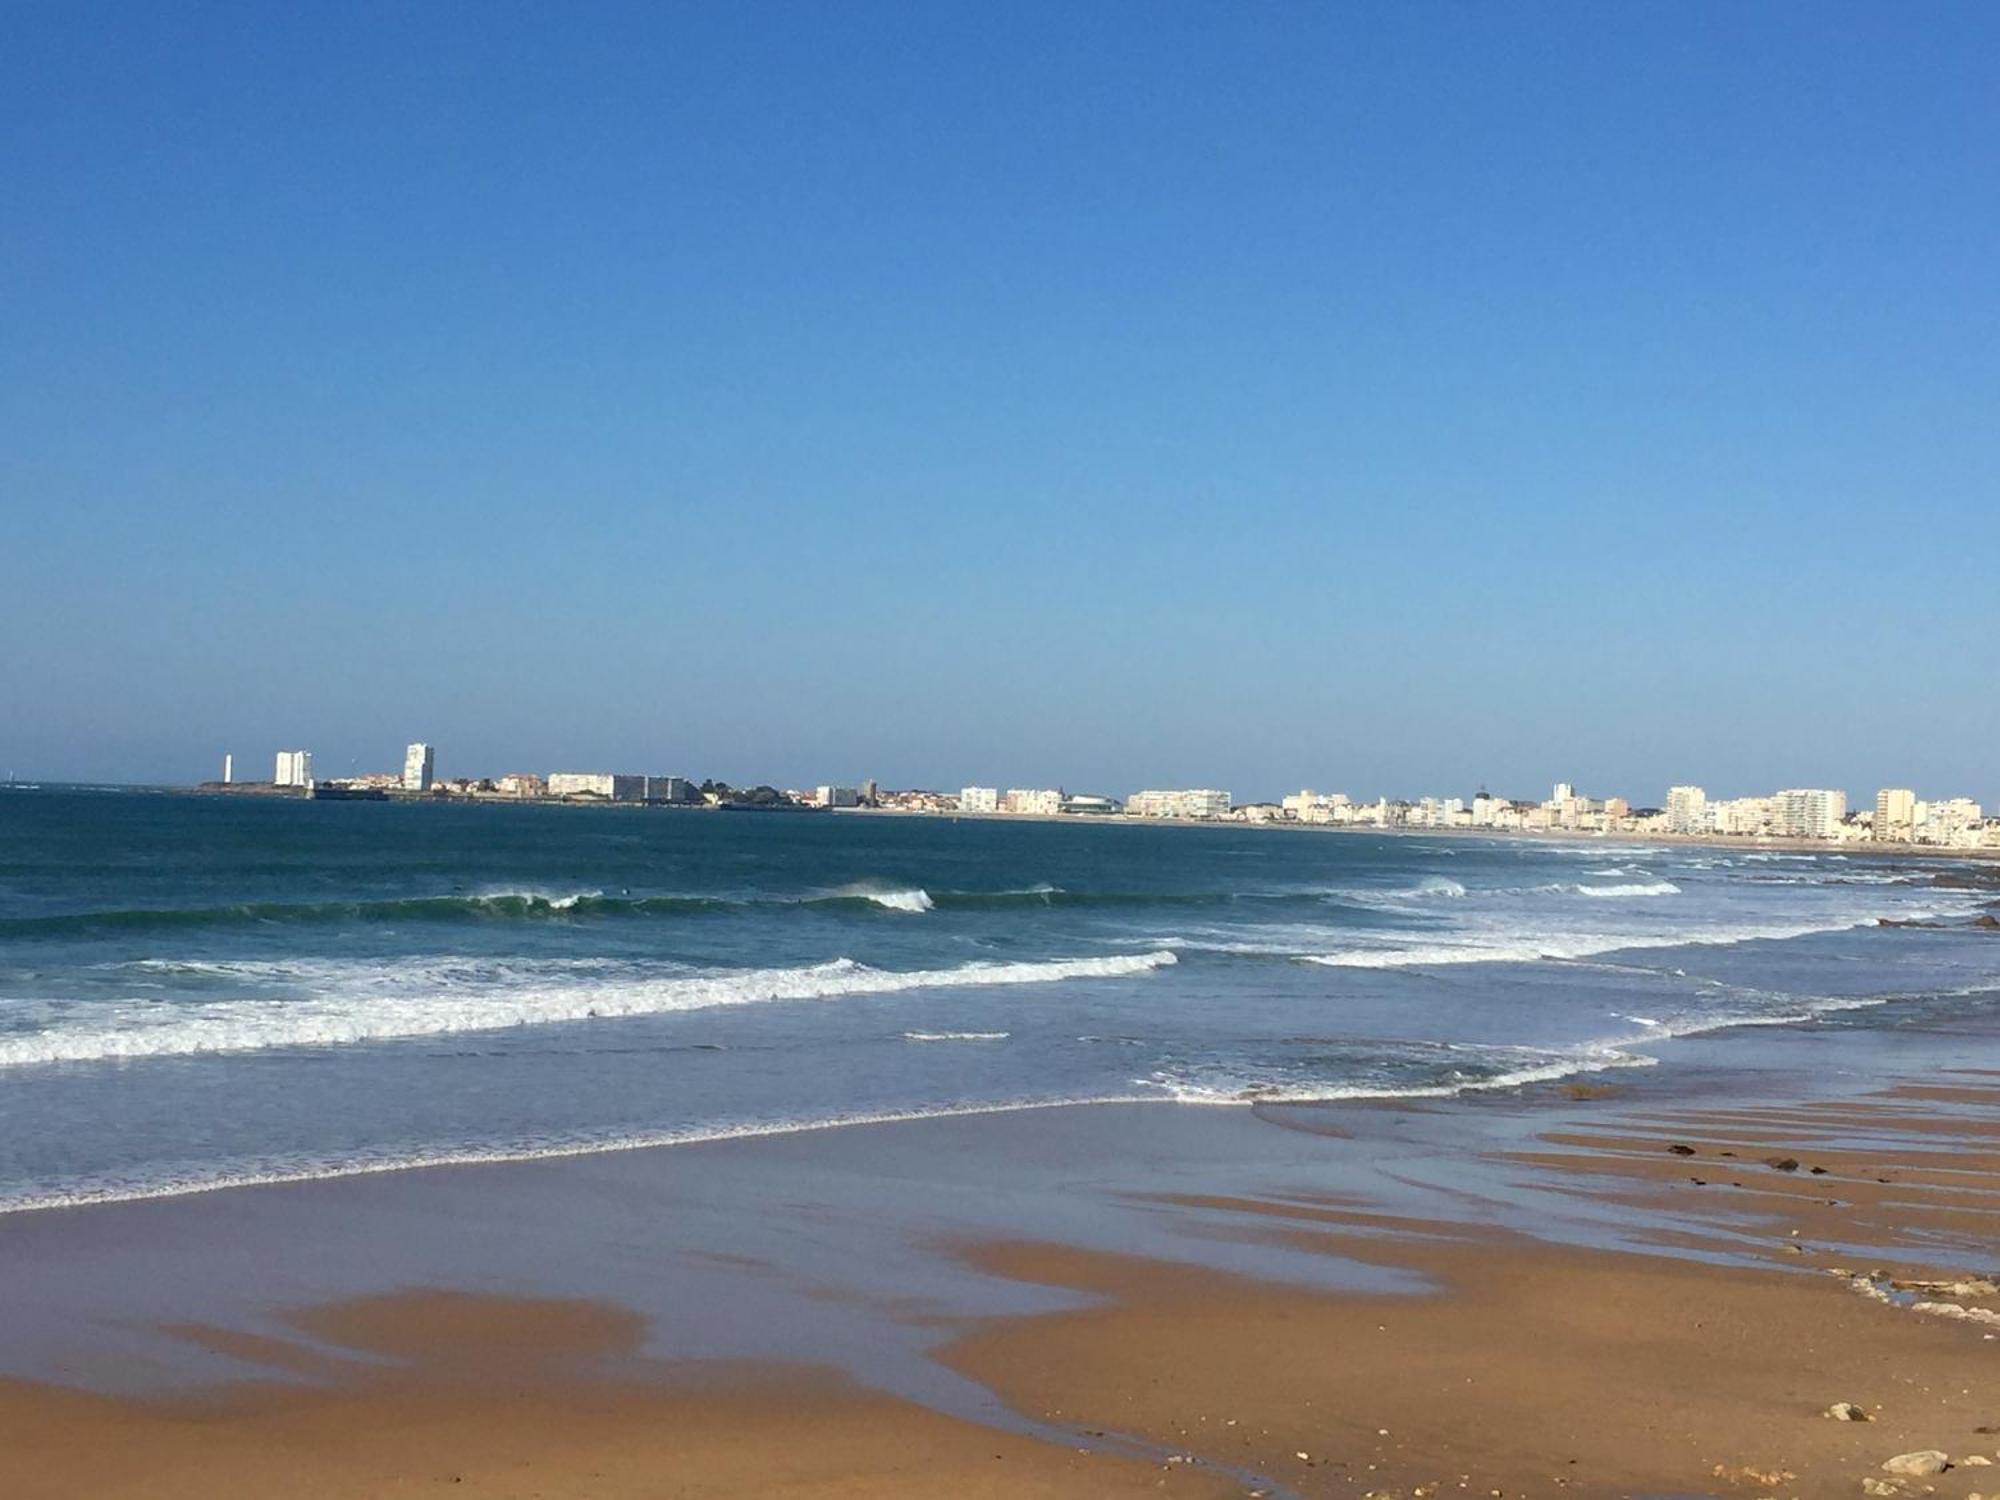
(1439, 885)
(909, 901)
(1430, 888)
(1240, 1088)
(1643, 888)
(533, 896)
(956, 1036)
(1477, 949)
(373, 1003)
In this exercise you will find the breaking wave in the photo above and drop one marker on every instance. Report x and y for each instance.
(378, 1004)
(1474, 950)
(908, 901)
(1638, 888)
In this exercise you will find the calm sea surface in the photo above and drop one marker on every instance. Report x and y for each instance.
(198, 991)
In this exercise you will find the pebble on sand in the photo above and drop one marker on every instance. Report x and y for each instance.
(1924, 1461)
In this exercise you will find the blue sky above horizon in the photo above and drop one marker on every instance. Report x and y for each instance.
(1377, 398)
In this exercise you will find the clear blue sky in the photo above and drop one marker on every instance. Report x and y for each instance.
(1383, 398)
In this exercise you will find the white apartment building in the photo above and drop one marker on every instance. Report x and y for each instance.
(1438, 812)
(1040, 803)
(837, 796)
(1954, 822)
(1809, 813)
(419, 764)
(1895, 815)
(1314, 807)
(979, 799)
(295, 768)
(1687, 810)
(1200, 802)
(1749, 817)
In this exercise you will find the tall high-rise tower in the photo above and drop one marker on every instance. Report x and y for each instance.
(419, 761)
(1895, 814)
(295, 768)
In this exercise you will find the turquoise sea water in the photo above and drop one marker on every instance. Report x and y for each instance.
(197, 991)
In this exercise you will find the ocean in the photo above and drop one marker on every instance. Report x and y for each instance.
(200, 991)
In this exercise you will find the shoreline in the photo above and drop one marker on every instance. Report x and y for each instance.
(1605, 1070)
(1612, 1066)
(1077, 1302)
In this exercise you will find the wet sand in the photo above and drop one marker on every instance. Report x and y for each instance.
(433, 1393)
(1531, 1295)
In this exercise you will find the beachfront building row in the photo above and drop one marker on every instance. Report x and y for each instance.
(1048, 802)
(1899, 816)
(1033, 802)
(1794, 813)
(1902, 817)
(613, 786)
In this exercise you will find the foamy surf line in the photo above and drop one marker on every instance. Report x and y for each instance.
(345, 1019)
(1183, 1091)
(1558, 949)
(1592, 1058)
(85, 1194)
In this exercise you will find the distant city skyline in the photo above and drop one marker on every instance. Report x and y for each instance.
(1898, 816)
(255, 763)
(1408, 398)
(418, 770)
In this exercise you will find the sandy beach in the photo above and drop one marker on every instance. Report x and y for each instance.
(1654, 1289)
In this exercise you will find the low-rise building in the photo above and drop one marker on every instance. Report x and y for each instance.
(1040, 803)
(916, 799)
(1199, 802)
(1089, 806)
(609, 785)
(1314, 807)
